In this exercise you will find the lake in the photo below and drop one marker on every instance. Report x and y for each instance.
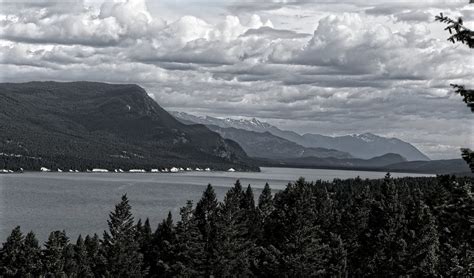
(80, 202)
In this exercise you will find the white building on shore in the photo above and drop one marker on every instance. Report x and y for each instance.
(97, 170)
(136, 171)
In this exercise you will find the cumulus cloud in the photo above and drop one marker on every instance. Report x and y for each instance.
(112, 24)
(358, 67)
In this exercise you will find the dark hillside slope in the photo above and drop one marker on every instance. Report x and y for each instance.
(386, 163)
(84, 124)
(342, 163)
(267, 145)
(446, 166)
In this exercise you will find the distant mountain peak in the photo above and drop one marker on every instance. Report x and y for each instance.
(366, 137)
(257, 122)
(252, 124)
(369, 137)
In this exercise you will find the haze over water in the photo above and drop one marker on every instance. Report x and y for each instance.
(80, 202)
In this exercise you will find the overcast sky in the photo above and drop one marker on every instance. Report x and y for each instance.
(328, 67)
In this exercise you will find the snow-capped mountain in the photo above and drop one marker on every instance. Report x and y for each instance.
(365, 145)
(247, 124)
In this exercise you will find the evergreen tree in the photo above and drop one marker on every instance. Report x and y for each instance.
(233, 235)
(237, 192)
(143, 236)
(456, 229)
(32, 255)
(146, 247)
(383, 244)
(205, 217)
(71, 268)
(460, 33)
(54, 254)
(83, 265)
(147, 233)
(353, 224)
(120, 245)
(407, 227)
(305, 254)
(12, 261)
(265, 202)
(250, 215)
(266, 261)
(337, 257)
(96, 255)
(190, 254)
(421, 237)
(139, 231)
(162, 256)
(298, 228)
(265, 257)
(248, 202)
(263, 211)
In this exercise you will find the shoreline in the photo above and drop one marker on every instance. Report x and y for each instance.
(363, 169)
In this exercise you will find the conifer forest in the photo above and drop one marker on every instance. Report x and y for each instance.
(391, 227)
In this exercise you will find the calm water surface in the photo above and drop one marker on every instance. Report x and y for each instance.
(80, 202)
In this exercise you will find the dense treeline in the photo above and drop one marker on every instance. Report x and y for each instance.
(417, 227)
(30, 163)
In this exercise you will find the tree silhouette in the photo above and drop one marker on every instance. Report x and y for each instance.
(54, 254)
(82, 259)
(32, 253)
(403, 227)
(11, 257)
(120, 244)
(459, 33)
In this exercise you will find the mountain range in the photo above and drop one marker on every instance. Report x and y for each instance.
(80, 125)
(364, 146)
(85, 125)
(270, 146)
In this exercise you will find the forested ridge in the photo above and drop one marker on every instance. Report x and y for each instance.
(410, 227)
(84, 125)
